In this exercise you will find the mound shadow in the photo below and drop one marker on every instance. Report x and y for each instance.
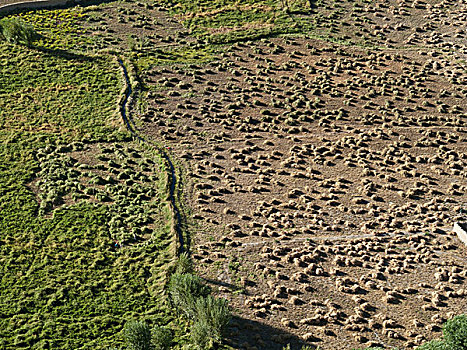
(67, 55)
(243, 333)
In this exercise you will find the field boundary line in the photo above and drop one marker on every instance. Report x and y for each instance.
(124, 108)
(35, 5)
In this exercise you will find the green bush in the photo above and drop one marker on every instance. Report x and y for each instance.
(212, 316)
(137, 335)
(434, 345)
(16, 31)
(215, 311)
(161, 338)
(184, 290)
(455, 333)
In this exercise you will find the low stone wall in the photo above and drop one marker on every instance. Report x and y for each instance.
(33, 5)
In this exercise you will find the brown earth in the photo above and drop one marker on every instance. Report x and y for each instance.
(325, 181)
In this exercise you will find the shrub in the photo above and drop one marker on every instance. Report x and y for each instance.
(212, 316)
(161, 338)
(201, 336)
(434, 345)
(184, 290)
(455, 332)
(215, 311)
(16, 31)
(137, 335)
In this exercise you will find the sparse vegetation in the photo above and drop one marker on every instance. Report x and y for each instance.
(304, 347)
(455, 336)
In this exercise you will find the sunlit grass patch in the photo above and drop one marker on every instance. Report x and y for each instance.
(42, 91)
(228, 21)
(59, 29)
(66, 283)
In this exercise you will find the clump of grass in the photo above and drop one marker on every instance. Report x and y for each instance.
(184, 264)
(16, 31)
(137, 335)
(454, 336)
(192, 298)
(455, 332)
(434, 345)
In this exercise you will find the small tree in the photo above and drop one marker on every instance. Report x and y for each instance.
(201, 336)
(137, 335)
(212, 317)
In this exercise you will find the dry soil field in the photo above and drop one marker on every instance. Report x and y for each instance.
(326, 177)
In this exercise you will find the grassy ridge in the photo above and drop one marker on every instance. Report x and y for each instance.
(228, 21)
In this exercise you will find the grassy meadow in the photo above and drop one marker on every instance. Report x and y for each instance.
(86, 228)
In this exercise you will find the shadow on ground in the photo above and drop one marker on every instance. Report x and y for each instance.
(249, 334)
(64, 54)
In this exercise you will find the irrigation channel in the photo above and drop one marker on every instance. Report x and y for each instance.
(173, 176)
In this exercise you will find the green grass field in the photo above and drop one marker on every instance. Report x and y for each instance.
(64, 283)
